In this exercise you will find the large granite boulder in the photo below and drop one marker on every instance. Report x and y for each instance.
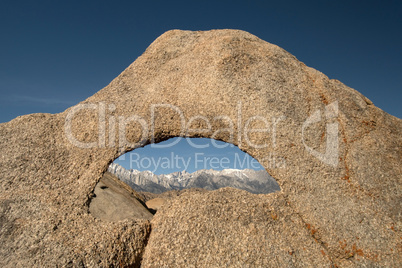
(336, 157)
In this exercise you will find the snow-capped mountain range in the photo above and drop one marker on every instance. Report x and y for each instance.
(254, 181)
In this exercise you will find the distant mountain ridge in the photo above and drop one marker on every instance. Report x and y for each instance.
(254, 181)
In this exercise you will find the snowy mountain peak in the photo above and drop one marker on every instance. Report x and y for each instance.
(249, 180)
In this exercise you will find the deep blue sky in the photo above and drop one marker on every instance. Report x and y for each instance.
(180, 154)
(54, 54)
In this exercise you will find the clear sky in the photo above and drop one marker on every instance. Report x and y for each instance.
(180, 154)
(54, 54)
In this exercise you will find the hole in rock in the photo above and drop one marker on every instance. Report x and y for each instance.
(158, 172)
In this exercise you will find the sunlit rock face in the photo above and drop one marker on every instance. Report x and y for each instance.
(334, 154)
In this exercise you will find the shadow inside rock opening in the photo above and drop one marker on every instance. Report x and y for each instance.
(138, 183)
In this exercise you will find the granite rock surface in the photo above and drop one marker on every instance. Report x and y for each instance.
(336, 156)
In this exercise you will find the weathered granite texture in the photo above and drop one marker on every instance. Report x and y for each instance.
(116, 201)
(341, 208)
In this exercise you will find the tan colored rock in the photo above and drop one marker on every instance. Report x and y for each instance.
(156, 203)
(231, 228)
(116, 201)
(335, 155)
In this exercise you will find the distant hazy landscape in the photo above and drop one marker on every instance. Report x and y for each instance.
(254, 181)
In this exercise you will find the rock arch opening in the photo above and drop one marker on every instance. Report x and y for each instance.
(151, 175)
